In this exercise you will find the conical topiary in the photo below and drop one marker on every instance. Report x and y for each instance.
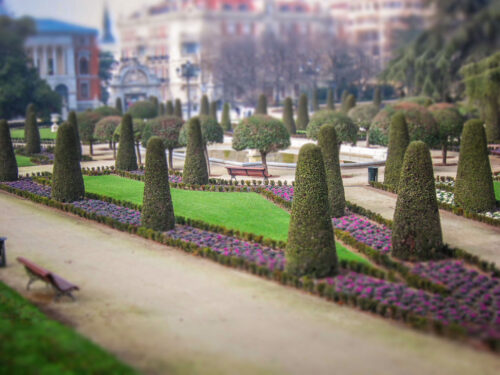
(416, 232)
(315, 101)
(157, 208)
(31, 132)
(226, 119)
(348, 104)
(195, 166)
(67, 180)
(178, 108)
(377, 98)
(474, 189)
(330, 100)
(311, 244)
(126, 159)
(343, 97)
(8, 163)
(169, 110)
(288, 119)
(73, 121)
(329, 144)
(213, 110)
(398, 142)
(204, 106)
(261, 105)
(302, 113)
(119, 106)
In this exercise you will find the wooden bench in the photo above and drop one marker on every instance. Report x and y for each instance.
(247, 171)
(496, 152)
(62, 287)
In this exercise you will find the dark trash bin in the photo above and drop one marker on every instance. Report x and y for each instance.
(372, 174)
(3, 254)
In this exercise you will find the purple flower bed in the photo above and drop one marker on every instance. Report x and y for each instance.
(122, 214)
(377, 236)
(284, 191)
(171, 177)
(27, 184)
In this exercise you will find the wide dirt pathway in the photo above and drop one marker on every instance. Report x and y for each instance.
(473, 236)
(166, 312)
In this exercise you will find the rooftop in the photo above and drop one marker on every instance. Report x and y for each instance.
(51, 26)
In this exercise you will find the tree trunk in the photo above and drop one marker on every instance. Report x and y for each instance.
(114, 150)
(171, 158)
(91, 148)
(206, 158)
(110, 144)
(263, 156)
(368, 137)
(138, 149)
(444, 152)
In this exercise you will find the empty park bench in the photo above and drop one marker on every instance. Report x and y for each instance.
(496, 151)
(247, 171)
(35, 272)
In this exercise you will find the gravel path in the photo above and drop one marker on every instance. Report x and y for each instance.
(164, 311)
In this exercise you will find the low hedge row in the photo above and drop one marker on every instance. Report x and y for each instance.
(321, 289)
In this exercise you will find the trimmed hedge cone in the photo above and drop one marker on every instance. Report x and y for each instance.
(399, 140)
(8, 163)
(126, 159)
(226, 118)
(157, 209)
(311, 244)
(31, 132)
(328, 142)
(288, 119)
(72, 120)
(67, 181)
(195, 165)
(261, 105)
(474, 189)
(178, 108)
(302, 113)
(416, 232)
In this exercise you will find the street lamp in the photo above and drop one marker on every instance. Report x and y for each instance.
(309, 70)
(188, 71)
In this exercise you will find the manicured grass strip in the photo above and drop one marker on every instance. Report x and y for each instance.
(31, 343)
(246, 212)
(497, 189)
(45, 133)
(23, 161)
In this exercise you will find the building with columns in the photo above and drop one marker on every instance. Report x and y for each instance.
(67, 57)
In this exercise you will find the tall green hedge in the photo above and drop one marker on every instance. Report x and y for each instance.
(398, 142)
(157, 209)
(169, 109)
(67, 181)
(226, 118)
(416, 233)
(302, 113)
(329, 144)
(330, 100)
(474, 189)
(8, 163)
(204, 106)
(315, 100)
(213, 111)
(119, 106)
(73, 121)
(288, 119)
(126, 159)
(311, 244)
(31, 132)
(178, 108)
(261, 105)
(195, 166)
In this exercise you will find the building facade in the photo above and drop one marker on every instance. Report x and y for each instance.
(67, 57)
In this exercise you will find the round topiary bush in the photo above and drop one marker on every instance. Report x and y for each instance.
(226, 118)
(288, 119)
(195, 166)
(311, 244)
(168, 129)
(157, 208)
(474, 189)
(329, 144)
(421, 124)
(450, 122)
(416, 232)
(106, 127)
(363, 115)
(86, 124)
(31, 132)
(143, 110)
(346, 129)
(67, 180)
(8, 163)
(126, 159)
(302, 113)
(106, 111)
(261, 105)
(398, 143)
(73, 121)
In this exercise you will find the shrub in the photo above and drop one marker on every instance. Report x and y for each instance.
(67, 180)
(363, 115)
(311, 244)
(204, 106)
(424, 101)
(263, 133)
(450, 123)
(86, 124)
(328, 142)
(169, 109)
(168, 129)
(315, 100)
(157, 210)
(31, 132)
(421, 124)
(226, 118)
(474, 189)
(377, 98)
(261, 108)
(126, 159)
(330, 100)
(8, 163)
(178, 108)
(348, 104)
(119, 106)
(106, 111)
(302, 113)
(143, 110)
(398, 142)
(416, 231)
(195, 165)
(106, 127)
(288, 119)
(346, 129)
(213, 110)
(73, 121)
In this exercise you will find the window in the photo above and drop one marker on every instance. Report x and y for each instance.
(84, 65)
(50, 67)
(84, 90)
(190, 48)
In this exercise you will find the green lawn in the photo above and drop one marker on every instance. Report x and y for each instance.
(23, 161)
(45, 133)
(497, 189)
(247, 212)
(31, 343)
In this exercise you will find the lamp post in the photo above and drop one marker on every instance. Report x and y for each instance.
(188, 71)
(309, 70)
